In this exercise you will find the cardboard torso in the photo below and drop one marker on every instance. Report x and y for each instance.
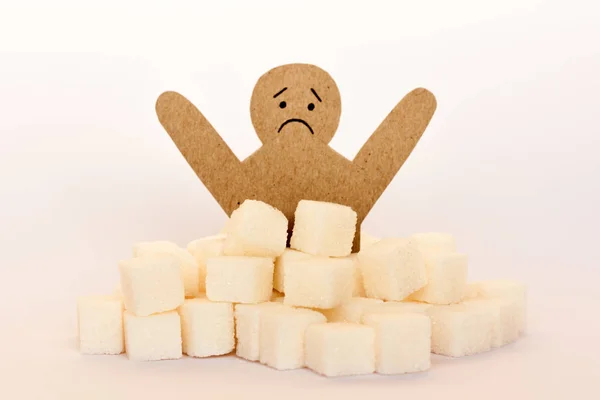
(294, 167)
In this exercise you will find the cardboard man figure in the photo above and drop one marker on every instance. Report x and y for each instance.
(295, 111)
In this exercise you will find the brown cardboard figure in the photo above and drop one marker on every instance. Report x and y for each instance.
(295, 111)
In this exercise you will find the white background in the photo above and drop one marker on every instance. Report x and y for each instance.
(509, 164)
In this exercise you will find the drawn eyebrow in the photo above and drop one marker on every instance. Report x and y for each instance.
(315, 93)
(281, 91)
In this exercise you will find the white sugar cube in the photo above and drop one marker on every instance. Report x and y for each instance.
(508, 289)
(395, 307)
(202, 250)
(471, 291)
(100, 324)
(189, 267)
(282, 336)
(505, 313)
(446, 279)
(154, 337)
(358, 289)
(223, 230)
(207, 327)
(351, 311)
(460, 330)
(433, 244)
(247, 329)
(256, 229)
(281, 263)
(212, 245)
(402, 342)
(392, 269)
(319, 282)
(151, 284)
(239, 279)
(367, 240)
(323, 229)
(340, 349)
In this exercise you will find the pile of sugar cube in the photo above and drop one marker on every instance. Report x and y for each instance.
(313, 304)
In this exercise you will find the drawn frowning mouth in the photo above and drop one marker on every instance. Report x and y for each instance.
(303, 122)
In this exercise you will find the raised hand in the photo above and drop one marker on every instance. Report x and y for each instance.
(204, 149)
(389, 146)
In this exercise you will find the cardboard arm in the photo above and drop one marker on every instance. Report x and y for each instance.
(389, 146)
(203, 148)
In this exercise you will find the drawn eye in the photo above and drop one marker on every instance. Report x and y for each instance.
(311, 107)
(282, 104)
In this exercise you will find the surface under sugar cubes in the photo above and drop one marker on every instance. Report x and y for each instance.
(446, 279)
(460, 330)
(100, 324)
(319, 282)
(351, 311)
(239, 279)
(207, 327)
(402, 342)
(256, 229)
(151, 284)
(189, 267)
(282, 333)
(323, 229)
(392, 269)
(340, 349)
(154, 337)
(509, 289)
(247, 328)
(281, 262)
(202, 250)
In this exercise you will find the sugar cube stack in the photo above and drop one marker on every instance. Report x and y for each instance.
(340, 348)
(247, 328)
(207, 327)
(319, 282)
(202, 249)
(151, 284)
(188, 265)
(403, 342)
(282, 335)
(323, 229)
(313, 305)
(446, 269)
(256, 229)
(358, 288)
(154, 337)
(352, 310)
(239, 279)
(281, 263)
(392, 269)
(100, 324)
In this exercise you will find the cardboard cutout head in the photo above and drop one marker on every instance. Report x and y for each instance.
(295, 94)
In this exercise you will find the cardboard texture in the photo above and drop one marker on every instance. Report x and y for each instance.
(295, 111)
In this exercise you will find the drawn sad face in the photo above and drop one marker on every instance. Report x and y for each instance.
(295, 97)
